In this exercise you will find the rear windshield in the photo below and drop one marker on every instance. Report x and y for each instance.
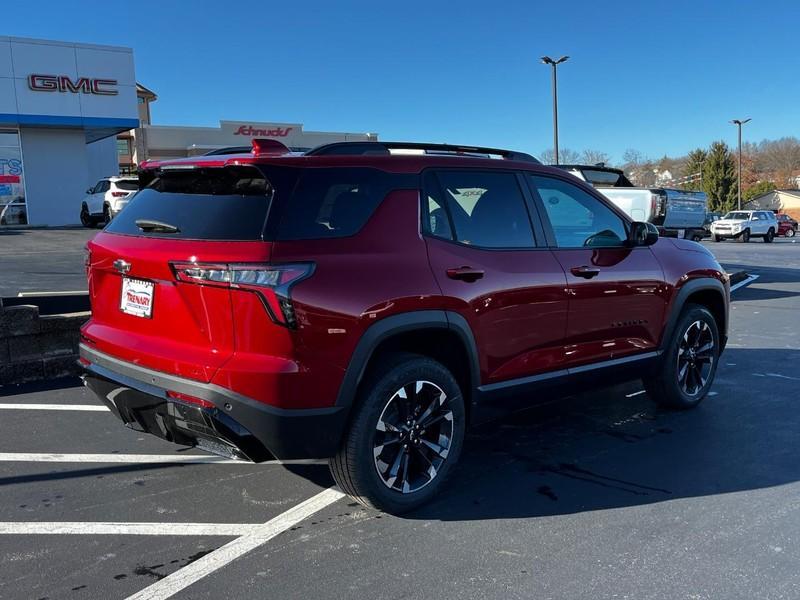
(129, 185)
(600, 178)
(209, 204)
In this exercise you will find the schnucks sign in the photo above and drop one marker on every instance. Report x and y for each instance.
(63, 83)
(255, 132)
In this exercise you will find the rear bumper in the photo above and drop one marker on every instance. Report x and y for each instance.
(236, 426)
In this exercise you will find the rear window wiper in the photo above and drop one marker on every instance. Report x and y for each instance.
(156, 226)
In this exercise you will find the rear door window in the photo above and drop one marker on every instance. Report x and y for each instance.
(336, 202)
(228, 203)
(486, 209)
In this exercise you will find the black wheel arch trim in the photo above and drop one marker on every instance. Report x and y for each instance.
(687, 289)
(402, 323)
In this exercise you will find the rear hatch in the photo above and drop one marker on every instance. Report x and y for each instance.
(142, 312)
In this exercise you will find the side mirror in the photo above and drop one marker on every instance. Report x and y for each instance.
(642, 234)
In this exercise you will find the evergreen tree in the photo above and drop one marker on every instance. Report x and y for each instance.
(694, 167)
(719, 177)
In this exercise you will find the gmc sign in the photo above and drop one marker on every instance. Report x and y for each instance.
(63, 83)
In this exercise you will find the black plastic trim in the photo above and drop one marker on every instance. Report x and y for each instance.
(285, 433)
(686, 290)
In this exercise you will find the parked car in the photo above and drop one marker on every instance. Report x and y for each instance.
(745, 224)
(364, 307)
(711, 216)
(787, 226)
(676, 213)
(104, 201)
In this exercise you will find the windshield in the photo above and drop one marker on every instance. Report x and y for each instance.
(205, 204)
(737, 216)
(130, 185)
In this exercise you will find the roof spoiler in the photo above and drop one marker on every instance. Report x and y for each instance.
(384, 148)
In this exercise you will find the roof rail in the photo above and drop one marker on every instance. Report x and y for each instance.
(365, 148)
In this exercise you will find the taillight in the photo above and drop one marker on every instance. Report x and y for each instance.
(272, 283)
(119, 194)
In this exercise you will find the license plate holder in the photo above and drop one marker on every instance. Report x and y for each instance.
(136, 297)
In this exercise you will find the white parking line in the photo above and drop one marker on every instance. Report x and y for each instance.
(747, 281)
(258, 535)
(122, 458)
(110, 528)
(635, 394)
(88, 407)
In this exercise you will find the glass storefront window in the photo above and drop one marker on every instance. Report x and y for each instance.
(13, 210)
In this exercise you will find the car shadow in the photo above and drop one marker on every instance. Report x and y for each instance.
(604, 450)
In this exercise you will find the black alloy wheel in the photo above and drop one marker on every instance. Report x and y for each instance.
(413, 437)
(696, 355)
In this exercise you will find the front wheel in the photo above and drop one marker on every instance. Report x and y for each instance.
(745, 237)
(405, 436)
(789, 233)
(769, 236)
(689, 362)
(717, 238)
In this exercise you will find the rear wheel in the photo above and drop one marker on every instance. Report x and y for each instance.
(106, 214)
(769, 236)
(697, 237)
(717, 238)
(405, 436)
(689, 363)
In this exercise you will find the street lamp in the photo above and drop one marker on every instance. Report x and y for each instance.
(554, 63)
(739, 123)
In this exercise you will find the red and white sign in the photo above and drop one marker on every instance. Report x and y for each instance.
(136, 297)
(251, 131)
(63, 83)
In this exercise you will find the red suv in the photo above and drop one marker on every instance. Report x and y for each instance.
(365, 302)
(787, 226)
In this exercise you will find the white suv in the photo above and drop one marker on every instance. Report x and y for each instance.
(104, 201)
(744, 224)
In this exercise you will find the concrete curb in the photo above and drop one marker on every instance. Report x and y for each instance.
(35, 347)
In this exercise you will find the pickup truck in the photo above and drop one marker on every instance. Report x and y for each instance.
(676, 213)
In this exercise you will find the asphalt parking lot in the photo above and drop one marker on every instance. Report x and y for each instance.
(599, 495)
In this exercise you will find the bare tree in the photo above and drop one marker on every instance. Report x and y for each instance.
(566, 156)
(780, 157)
(593, 157)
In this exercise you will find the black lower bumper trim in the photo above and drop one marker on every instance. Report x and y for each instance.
(236, 426)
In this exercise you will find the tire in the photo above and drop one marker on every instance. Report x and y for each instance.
(106, 214)
(697, 238)
(397, 482)
(675, 386)
(789, 233)
(769, 236)
(717, 238)
(745, 237)
(86, 218)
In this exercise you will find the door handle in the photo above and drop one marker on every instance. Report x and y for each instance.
(467, 274)
(585, 272)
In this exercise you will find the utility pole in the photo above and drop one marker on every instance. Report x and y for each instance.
(554, 63)
(739, 123)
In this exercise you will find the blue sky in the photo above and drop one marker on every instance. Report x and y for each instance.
(659, 77)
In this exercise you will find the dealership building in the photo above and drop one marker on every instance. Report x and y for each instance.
(73, 113)
(61, 107)
(160, 141)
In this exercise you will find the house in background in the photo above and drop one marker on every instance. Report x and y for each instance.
(781, 201)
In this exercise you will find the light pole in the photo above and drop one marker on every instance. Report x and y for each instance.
(739, 123)
(554, 63)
